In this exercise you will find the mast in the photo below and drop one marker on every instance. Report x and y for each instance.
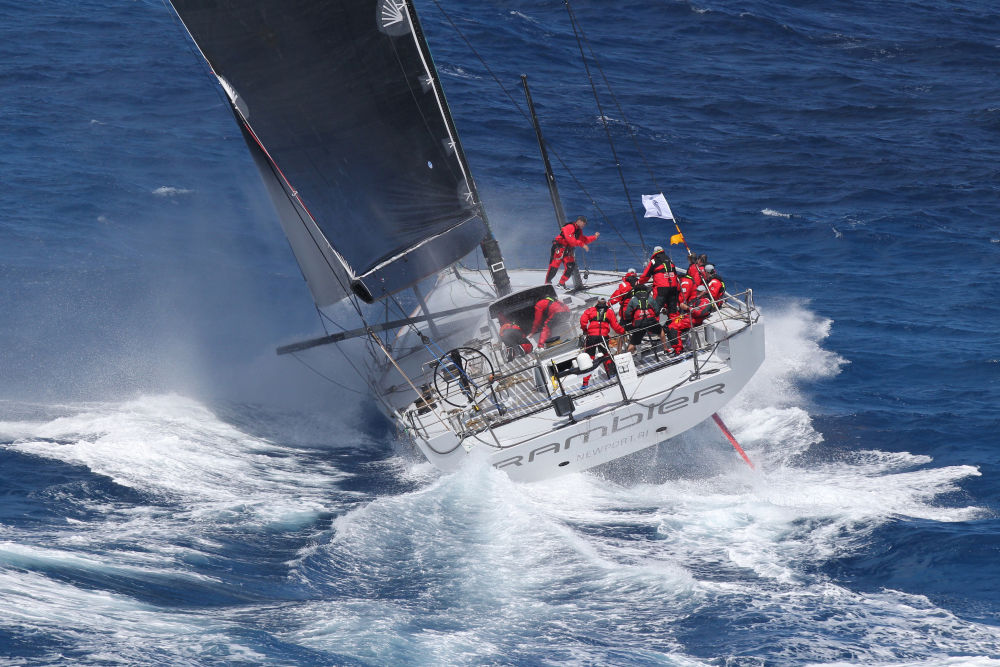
(550, 178)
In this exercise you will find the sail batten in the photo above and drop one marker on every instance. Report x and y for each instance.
(342, 108)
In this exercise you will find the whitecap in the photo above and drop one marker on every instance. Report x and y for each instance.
(168, 191)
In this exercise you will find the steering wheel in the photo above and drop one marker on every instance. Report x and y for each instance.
(462, 376)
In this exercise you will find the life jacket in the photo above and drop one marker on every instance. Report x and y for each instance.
(661, 270)
(699, 310)
(598, 321)
(641, 312)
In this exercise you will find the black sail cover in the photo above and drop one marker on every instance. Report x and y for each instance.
(340, 105)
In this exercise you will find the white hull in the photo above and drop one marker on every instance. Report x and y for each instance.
(528, 440)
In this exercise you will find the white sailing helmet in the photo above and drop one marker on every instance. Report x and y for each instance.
(709, 268)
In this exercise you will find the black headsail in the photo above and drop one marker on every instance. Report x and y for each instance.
(340, 105)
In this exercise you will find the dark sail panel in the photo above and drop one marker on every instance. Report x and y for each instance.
(325, 273)
(341, 97)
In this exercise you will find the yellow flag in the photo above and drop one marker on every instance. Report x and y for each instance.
(676, 238)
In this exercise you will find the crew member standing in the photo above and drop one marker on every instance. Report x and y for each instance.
(692, 314)
(665, 283)
(571, 236)
(642, 319)
(624, 291)
(597, 322)
(549, 314)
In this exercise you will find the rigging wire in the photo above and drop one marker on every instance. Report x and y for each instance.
(326, 377)
(618, 106)
(628, 124)
(524, 114)
(604, 122)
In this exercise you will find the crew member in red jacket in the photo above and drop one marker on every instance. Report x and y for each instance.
(665, 282)
(697, 268)
(571, 236)
(624, 291)
(549, 314)
(512, 336)
(716, 288)
(692, 314)
(642, 319)
(686, 289)
(597, 322)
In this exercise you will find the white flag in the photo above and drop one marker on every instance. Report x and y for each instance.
(657, 207)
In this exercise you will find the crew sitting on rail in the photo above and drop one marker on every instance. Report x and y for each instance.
(686, 289)
(516, 344)
(664, 276)
(697, 268)
(624, 292)
(716, 288)
(550, 313)
(693, 314)
(571, 236)
(597, 322)
(641, 319)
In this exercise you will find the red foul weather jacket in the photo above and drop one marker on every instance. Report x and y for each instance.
(624, 291)
(686, 289)
(572, 236)
(716, 287)
(697, 273)
(597, 323)
(699, 308)
(661, 270)
(545, 309)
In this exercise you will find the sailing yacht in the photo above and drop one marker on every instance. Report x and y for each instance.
(345, 117)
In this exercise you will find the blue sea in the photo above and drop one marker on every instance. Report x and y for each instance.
(174, 493)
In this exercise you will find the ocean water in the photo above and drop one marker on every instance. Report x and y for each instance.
(171, 492)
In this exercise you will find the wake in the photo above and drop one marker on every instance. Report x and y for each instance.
(634, 563)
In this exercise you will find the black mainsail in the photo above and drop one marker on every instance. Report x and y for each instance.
(340, 105)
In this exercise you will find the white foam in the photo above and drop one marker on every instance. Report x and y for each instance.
(793, 353)
(170, 191)
(111, 628)
(775, 214)
(176, 448)
(585, 556)
(471, 566)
